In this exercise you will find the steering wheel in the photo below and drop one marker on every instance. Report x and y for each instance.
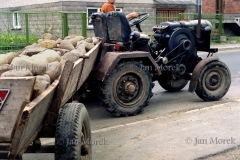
(135, 21)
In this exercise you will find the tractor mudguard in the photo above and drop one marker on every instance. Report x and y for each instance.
(197, 70)
(111, 59)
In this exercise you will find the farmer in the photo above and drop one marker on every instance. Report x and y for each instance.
(109, 6)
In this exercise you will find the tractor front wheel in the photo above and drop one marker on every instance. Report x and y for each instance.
(214, 81)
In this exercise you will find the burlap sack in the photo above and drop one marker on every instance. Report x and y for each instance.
(40, 40)
(46, 56)
(65, 44)
(69, 56)
(69, 37)
(76, 52)
(4, 68)
(88, 46)
(61, 51)
(95, 40)
(7, 58)
(79, 38)
(59, 40)
(22, 63)
(41, 84)
(76, 39)
(49, 44)
(81, 49)
(53, 70)
(89, 40)
(44, 77)
(32, 50)
(17, 73)
(49, 36)
(73, 41)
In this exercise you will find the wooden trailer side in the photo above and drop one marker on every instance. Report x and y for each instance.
(31, 120)
(20, 94)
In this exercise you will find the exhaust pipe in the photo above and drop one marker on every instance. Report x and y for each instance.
(198, 32)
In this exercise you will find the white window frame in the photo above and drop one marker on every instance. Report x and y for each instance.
(90, 26)
(16, 21)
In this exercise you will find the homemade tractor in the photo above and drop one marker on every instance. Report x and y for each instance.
(129, 61)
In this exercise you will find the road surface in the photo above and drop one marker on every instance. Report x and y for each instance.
(174, 125)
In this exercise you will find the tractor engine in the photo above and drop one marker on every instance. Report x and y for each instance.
(177, 43)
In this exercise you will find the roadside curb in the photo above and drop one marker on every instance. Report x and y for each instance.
(225, 154)
(225, 47)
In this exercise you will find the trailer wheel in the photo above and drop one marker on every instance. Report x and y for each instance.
(170, 84)
(214, 81)
(127, 89)
(73, 134)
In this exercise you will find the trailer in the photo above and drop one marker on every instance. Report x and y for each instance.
(23, 121)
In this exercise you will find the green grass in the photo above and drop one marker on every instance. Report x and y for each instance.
(229, 39)
(14, 42)
(234, 38)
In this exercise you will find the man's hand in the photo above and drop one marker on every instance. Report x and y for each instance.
(132, 15)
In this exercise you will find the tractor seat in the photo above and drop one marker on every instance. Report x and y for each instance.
(112, 27)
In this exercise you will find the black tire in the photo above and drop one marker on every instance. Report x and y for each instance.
(127, 89)
(170, 84)
(73, 133)
(214, 81)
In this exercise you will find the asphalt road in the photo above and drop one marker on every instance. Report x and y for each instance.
(167, 126)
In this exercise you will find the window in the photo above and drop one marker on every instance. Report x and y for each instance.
(167, 15)
(92, 10)
(16, 21)
(119, 9)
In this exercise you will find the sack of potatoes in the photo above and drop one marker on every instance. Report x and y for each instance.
(45, 59)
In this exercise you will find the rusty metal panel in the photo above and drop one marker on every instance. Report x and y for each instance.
(111, 59)
(197, 71)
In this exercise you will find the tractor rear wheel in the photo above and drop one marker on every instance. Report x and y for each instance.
(214, 81)
(127, 89)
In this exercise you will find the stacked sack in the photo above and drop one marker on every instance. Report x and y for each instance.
(45, 59)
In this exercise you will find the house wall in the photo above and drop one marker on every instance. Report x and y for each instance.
(230, 9)
(209, 6)
(139, 6)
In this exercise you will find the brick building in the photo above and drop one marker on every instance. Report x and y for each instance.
(229, 9)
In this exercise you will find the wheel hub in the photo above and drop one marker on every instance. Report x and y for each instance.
(84, 150)
(213, 80)
(127, 88)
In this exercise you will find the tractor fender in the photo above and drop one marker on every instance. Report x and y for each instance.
(197, 70)
(107, 63)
